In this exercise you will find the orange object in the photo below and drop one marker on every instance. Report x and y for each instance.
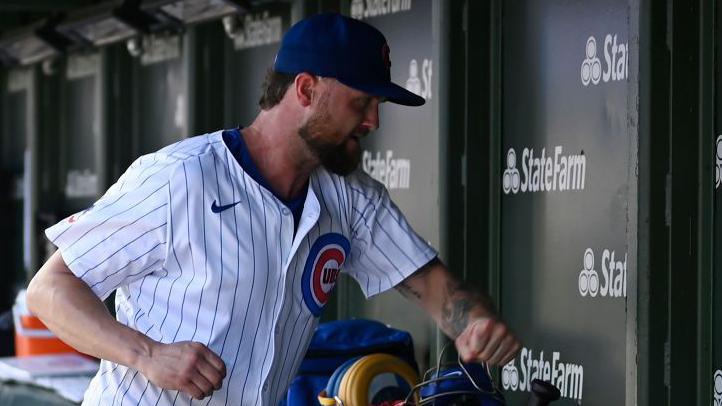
(25, 346)
(32, 337)
(32, 322)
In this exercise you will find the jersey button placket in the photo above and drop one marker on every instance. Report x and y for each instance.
(289, 230)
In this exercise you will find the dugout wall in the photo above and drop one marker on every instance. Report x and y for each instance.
(17, 127)
(610, 281)
(160, 98)
(568, 207)
(711, 279)
(249, 53)
(81, 147)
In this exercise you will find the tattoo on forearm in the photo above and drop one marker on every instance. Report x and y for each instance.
(456, 314)
(407, 291)
(458, 303)
(405, 287)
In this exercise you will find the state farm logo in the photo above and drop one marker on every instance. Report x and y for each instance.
(510, 376)
(420, 86)
(614, 273)
(591, 66)
(566, 376)
(717, 384)
(394, 173)
(510, 180)
(258, 30)
(542, 173)
(718, 163)
(361, 9)
(616, 61)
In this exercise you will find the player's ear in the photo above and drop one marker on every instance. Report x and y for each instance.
(305, 85)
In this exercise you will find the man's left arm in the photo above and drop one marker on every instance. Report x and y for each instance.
(466, 316)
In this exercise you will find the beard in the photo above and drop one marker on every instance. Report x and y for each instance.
(341, 159)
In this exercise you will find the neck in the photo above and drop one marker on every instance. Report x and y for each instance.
(280, 154)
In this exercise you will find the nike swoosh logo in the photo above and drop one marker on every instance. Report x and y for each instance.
(217, 209)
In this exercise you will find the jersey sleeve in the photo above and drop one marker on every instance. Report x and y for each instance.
(122, 236)
(384, 248)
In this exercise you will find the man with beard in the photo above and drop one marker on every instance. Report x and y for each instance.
(224, 248)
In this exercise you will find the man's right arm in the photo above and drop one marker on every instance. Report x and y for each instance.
(70, 309)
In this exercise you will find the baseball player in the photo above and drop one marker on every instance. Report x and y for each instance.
(224, 248)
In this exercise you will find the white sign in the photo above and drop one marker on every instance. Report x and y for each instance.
(18, 188)
(258, 30)
(160, 48)
(544, 173)
(81, 184)
(394, 173)
(567, 377)
(616, 61)
(179, 117)
(361, 9)
(81, 66)
(614, 273)
(18, 80)
(422, 86)
(717, 387)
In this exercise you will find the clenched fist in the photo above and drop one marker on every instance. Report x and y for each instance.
(487, 340)
(189, 367)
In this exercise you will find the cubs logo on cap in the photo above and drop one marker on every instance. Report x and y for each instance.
(322, 268)
(386, 55)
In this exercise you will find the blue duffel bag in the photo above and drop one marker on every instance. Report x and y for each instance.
(336, 342)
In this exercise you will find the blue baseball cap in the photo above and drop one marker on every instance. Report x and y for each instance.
(351, 51)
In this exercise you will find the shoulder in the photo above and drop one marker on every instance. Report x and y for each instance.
(190, 147)
(358, 185)
(160, 166)
(361, 182)
(174, 155)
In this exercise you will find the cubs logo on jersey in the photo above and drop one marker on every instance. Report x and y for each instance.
(322, 267)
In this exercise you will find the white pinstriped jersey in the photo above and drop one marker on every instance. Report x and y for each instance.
(197, 250)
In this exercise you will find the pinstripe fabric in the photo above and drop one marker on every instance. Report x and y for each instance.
(232, 280)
